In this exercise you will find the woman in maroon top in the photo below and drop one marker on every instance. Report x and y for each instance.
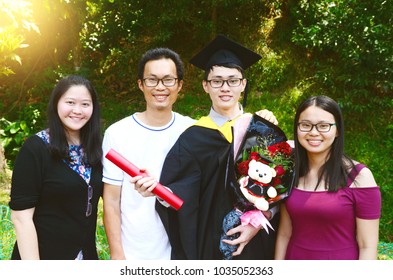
(334, 210)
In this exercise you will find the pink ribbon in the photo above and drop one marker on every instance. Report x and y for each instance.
(256, 219)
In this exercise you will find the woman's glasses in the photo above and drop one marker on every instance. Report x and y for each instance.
(321, 127)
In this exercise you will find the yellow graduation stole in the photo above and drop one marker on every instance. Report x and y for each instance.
(225, 130)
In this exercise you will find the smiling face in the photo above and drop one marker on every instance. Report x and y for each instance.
(315, 142)
(75, 108)
(160, 97)
(225, 98)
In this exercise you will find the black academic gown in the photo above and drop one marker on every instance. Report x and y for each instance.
(195, 169)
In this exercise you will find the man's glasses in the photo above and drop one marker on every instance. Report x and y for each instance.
(89, 208)
(217, 83)
(321, 127)
(153, 82)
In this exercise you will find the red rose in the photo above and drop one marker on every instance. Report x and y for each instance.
(282, 147)
(276, 181)
(285, 148)
(254, 155)
(242, 167)
(272, 149)
(279, 170)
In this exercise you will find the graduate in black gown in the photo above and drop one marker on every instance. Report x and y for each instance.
(196, 167)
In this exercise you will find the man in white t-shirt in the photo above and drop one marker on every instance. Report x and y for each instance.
(133, 227)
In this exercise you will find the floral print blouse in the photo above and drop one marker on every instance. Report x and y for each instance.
(76, 154)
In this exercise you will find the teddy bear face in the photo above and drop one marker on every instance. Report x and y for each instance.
(261, 172)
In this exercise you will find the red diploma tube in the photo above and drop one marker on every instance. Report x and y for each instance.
(133, 171)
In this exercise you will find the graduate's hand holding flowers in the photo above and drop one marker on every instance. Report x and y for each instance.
(267, 115)
(247, 232)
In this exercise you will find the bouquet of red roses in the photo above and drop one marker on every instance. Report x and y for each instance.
(260, 173)
(263, 165)
(263, 172)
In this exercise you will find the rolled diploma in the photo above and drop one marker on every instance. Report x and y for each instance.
(133, 171)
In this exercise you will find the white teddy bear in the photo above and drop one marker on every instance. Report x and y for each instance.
(258, 190)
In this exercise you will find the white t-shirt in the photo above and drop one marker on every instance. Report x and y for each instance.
(143, 234)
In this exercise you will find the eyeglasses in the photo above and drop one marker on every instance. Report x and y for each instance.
(321, 127)
(89, 208)
(153, 82)
(217, 83)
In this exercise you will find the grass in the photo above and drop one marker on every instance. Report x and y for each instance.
(7, 237)
(385, 251)
(102, 242)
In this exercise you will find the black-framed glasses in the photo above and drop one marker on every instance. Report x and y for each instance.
(89, 207)
(153, 82)
(321, 127)
(217, 83)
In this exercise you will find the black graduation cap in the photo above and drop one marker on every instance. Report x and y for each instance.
(222, 50)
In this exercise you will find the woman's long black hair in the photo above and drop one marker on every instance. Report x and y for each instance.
(336, 169)
(90, 134)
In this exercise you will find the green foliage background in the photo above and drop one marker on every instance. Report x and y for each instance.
(338, 48)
